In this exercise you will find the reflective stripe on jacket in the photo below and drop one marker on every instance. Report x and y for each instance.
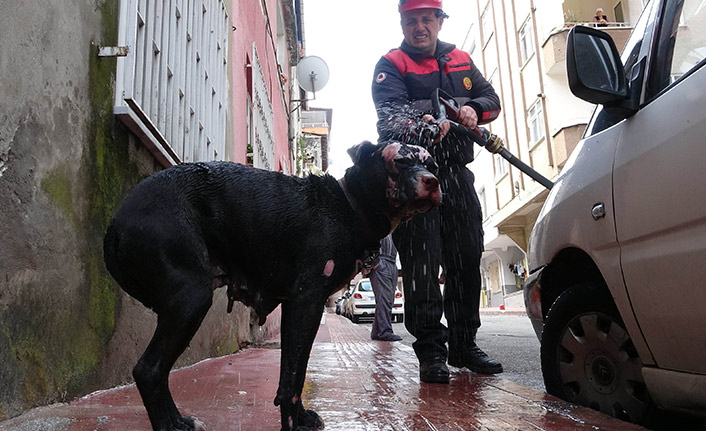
(406, 75)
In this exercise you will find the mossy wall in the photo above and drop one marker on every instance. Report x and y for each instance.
(66, 328)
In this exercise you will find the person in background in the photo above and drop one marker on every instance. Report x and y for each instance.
(451, 236)
(383, 278)
(601, 19)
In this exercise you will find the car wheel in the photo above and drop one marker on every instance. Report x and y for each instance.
(355, 319)
(588, 357)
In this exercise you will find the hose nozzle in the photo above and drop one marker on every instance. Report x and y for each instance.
(494, 144)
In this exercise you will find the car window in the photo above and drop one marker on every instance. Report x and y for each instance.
(365, 287)
(681, 45)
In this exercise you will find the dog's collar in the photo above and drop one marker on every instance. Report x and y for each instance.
(371, 239)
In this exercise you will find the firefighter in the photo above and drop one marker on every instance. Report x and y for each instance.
(452, 236)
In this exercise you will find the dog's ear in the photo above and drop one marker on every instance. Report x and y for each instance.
(361, 151)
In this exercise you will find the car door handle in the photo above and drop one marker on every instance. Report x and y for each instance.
(598, 211)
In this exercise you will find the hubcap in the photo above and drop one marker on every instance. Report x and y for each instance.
(601, 372)
(599, 367)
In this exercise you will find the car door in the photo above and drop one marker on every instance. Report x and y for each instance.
(660, 193)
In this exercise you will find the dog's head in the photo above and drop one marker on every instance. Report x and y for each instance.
(401, 178)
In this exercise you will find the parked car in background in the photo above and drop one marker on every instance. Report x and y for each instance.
(398, 307)
(341, 301)
(616, 288)
(360, 304)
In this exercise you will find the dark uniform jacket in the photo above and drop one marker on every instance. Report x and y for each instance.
(404, 81)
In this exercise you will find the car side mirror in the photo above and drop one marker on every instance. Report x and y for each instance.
(595, 71)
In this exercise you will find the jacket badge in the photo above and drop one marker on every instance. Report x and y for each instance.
(381, 77)
(467, 83)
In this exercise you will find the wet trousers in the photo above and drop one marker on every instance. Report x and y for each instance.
(452, 237)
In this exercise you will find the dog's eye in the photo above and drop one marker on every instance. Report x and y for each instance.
(404, 163)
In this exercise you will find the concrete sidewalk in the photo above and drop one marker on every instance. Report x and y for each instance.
(352, 382)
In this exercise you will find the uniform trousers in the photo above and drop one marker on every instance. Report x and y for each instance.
(450, 236)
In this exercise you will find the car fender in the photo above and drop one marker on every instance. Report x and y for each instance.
(578, 216)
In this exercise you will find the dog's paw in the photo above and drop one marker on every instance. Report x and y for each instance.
(191, 423)
(198, 425)
(309, 420)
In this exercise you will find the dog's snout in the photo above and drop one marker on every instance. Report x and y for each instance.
(430, 181)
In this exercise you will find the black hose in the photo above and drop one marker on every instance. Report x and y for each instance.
(484, 138)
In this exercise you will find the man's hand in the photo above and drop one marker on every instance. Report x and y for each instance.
(443, 127)
(468, 117)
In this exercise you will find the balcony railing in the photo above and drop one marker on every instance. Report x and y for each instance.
(554, 46)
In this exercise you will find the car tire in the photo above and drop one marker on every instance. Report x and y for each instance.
(355, 319)
(588, 358)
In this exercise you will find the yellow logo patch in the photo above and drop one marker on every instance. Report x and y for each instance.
(467, 83)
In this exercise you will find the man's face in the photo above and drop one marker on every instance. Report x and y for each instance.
(421, 29)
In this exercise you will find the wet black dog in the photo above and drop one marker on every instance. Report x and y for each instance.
(269, 237)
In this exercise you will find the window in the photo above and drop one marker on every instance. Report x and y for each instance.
(535, 122)
(526, 45)
(483, 203)
(171, 88)
(681, 45)
(263, 143)
(501, 166)
(618, 12)
(486, 23)
(365, 286)
(249, 153)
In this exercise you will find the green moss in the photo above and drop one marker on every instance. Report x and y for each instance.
(54, 352)
(106, 174)
(101, 300)
(111, 173)
(76, 363)
(228, 345)
(27, 350)
(57, 185)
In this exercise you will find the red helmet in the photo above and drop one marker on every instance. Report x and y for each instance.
(406, 5)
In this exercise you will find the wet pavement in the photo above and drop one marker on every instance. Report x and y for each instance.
(354, 383)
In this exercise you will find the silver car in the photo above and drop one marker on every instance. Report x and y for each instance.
(617, 286)
(360, 303)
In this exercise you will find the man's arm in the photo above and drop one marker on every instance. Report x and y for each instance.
(397, 117)
(484, 99)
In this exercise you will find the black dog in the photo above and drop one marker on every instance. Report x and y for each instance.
(271, 238)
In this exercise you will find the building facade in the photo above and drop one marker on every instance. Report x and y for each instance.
(520, 47)
(266, 49)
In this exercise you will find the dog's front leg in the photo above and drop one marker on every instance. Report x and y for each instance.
(300, 322)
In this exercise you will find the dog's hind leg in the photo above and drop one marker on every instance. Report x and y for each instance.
(179, 317)
(300, 322)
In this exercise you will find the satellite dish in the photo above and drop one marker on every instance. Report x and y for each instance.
(312, 73)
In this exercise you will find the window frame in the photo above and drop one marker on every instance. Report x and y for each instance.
(538, 114)
(526, 33)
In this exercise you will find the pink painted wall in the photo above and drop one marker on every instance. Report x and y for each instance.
(251, 26)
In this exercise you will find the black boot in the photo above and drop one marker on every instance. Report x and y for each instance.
(475, 359)
(434, 370)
